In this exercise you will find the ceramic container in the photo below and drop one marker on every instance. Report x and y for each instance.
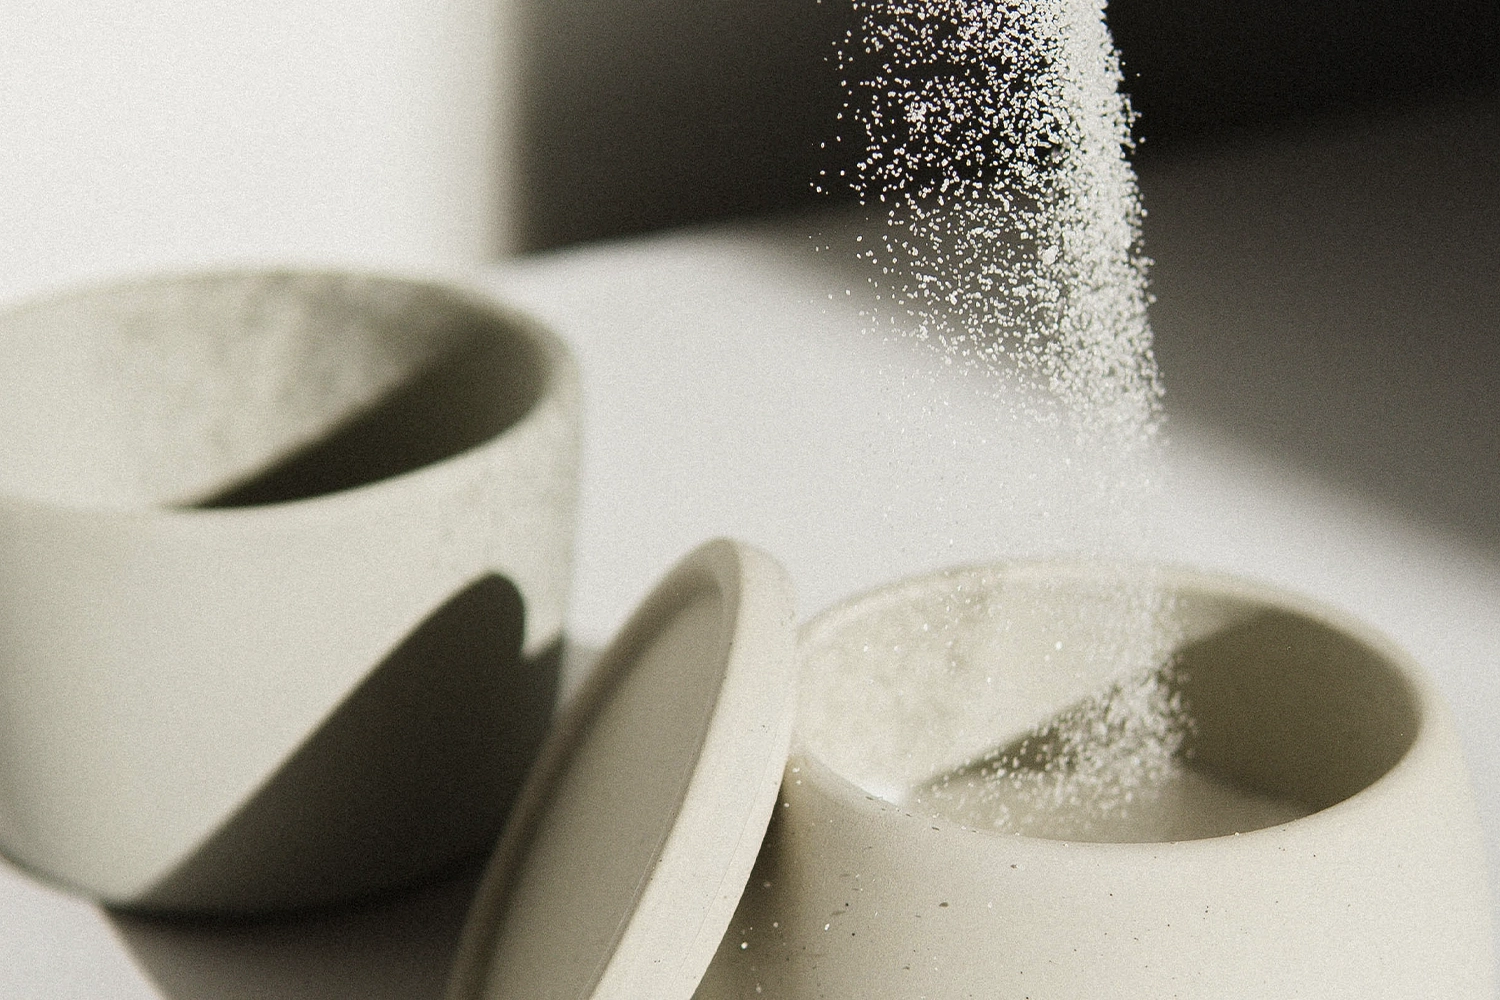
(283, 559)
(870, 886)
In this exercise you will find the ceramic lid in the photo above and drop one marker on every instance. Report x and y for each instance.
(632, 842)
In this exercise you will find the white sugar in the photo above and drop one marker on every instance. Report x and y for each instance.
(992, 143)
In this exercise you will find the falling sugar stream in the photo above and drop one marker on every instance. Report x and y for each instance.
(992, 142)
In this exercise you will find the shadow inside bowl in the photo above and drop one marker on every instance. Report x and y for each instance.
(472, 394)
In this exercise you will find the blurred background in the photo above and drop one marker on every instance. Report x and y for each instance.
(644, 113)
(166, 130)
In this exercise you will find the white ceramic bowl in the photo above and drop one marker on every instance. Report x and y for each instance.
(1378, 891)
(283, 559)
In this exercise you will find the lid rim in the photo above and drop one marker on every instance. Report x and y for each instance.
(687, 896)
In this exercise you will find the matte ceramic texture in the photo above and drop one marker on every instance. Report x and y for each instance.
(283, 561)
(632, 844)
(1380, 892)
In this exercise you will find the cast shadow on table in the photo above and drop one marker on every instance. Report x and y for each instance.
(430, 749)
(397, 947)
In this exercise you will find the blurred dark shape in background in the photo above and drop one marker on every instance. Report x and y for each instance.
(1198, 68)
(647, 114)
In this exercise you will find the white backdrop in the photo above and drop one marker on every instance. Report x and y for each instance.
(171, 132)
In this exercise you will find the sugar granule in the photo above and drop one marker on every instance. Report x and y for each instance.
(993, 143)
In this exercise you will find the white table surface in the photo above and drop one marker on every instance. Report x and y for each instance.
(730, 390)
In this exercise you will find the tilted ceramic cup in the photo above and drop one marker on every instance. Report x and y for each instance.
(1313, 833)
(283, 560)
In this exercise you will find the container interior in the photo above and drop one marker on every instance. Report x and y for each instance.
(248, 388)
(1093, 707)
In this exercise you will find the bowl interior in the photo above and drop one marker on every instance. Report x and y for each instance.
(1100, 705)
(1285, 704)
(250, 388)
